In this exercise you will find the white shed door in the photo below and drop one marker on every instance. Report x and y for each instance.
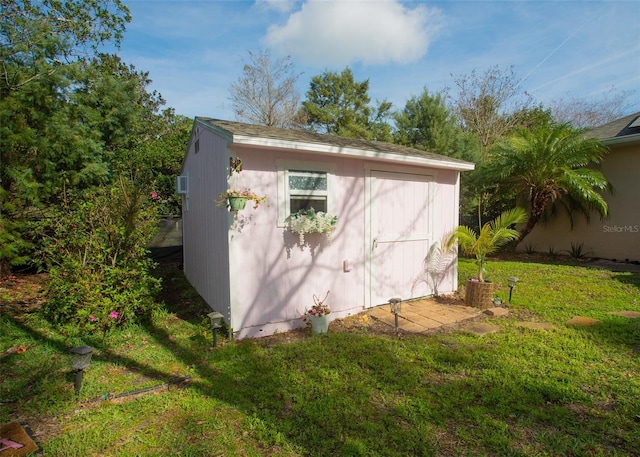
(400, 235)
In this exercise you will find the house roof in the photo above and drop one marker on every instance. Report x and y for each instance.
(625, 129)
(305, 141)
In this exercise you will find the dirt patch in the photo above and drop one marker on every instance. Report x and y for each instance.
(22, 294)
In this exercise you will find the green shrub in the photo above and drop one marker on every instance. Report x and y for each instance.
(100, 272)
(577, 250)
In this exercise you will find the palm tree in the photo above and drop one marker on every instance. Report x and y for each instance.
(554, 163)
(492, 236)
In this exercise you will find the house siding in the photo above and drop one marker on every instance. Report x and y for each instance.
(616, 237)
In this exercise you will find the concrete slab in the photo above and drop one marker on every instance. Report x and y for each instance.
(628, 314)
(429, 324)
(387, 319)
(424, 315)
(413, 316)
(497, 311)
(583, 321)
(412, 327)
(450, 318)
(480, 328)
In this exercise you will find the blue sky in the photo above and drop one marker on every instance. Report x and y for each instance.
(194, 50)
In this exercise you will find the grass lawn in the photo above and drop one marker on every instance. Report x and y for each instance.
(354, 392)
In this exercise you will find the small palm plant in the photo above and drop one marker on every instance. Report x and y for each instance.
(493, 235)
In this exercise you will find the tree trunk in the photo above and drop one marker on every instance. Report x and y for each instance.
(5, 271)
(537, 209)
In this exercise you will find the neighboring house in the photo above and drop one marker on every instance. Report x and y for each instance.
(392, 204)
(618, 236)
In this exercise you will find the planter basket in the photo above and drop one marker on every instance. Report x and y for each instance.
(479, 294)
(237, 203)
(319, 324)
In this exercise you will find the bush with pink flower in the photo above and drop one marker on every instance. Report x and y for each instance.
(100, 273)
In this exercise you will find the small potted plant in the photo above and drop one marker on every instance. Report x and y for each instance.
(493, 235)
(309, 221)
(236, 199)
(318, 315)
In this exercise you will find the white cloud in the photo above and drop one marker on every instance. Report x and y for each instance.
(336, 33)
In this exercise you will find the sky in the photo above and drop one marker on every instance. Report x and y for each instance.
(194, 50)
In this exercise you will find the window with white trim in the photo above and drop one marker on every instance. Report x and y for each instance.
(307, 189)
(303, 185)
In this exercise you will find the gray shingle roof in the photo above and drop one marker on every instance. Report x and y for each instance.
(615, 129)
(261, 131)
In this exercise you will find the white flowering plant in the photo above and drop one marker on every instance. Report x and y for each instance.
(309, 221)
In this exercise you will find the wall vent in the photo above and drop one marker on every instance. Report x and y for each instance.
(182, 185)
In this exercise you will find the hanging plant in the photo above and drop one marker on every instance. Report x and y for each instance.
(235, 199)
(309, 221)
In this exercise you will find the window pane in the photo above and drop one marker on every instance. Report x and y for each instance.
(298, 203)
(307, 181)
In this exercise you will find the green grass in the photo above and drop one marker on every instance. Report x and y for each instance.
(519, 392)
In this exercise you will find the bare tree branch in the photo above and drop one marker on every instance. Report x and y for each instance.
(265, 94)
(489, 104)
(583, 113)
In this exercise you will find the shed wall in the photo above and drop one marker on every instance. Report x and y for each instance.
(273, 279)
(205, 226)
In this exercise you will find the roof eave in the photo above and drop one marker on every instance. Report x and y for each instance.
(227, 135)
(621, 139)
(327, 149)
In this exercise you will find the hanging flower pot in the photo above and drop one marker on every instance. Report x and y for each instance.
(236, 200)
(237, 203)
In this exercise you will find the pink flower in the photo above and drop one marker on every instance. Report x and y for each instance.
(113, 314)
(93, 318)
(154, 195)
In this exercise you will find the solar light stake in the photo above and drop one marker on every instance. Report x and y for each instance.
(396, 305)
(216, 323)
(80, 359)
(512, 280)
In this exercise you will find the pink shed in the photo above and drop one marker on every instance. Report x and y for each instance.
(392, 203)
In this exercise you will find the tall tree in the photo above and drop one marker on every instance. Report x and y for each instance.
(266, 92)
(70, 117)
(337, 104)
(488, 104)
(553, 164)
(115, 102)
(43, 37)
(426, 123)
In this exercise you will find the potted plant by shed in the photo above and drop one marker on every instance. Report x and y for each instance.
(236, 199)
(318, 315)
(493, 235)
